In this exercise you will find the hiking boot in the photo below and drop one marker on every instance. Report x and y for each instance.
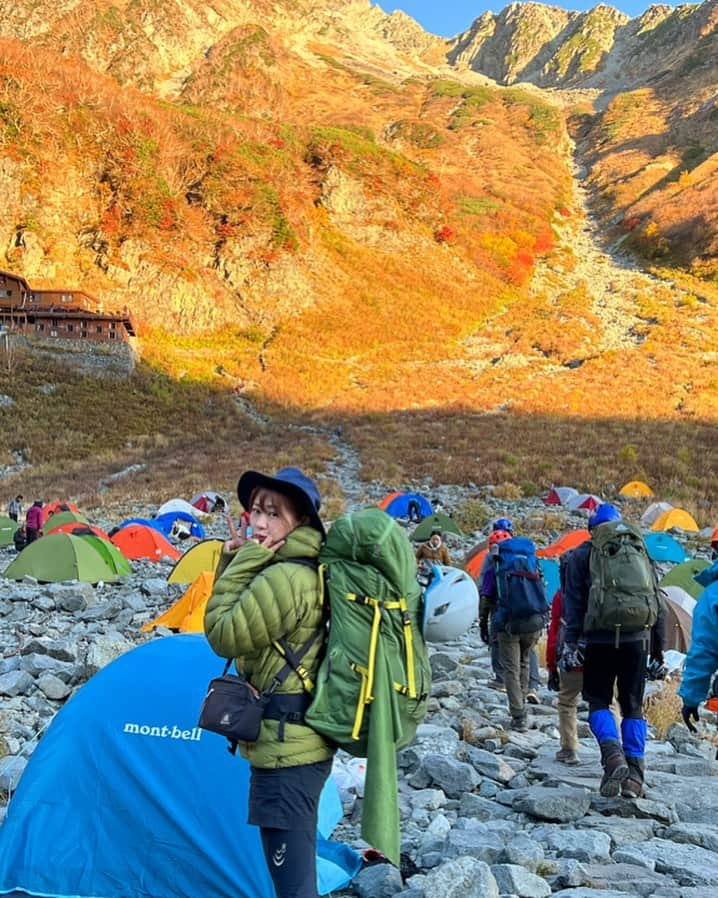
(567, 756)
(532, 698)
(632, 786)
(519, 724)
(497, 684)
(615, 768)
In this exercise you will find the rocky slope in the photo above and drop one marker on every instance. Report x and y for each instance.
(485, 811)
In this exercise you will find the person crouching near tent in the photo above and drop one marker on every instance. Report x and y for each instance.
(267, 596)
(434, 550)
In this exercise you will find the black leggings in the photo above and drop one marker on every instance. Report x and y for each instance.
(625, 666)
(291, 861)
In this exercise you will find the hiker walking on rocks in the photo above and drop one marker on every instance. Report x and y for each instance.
(14, 508)
(611, 600)
(513, 595)
(702, 659)
(501, 528)
(267, 594)
(33, 521)
(568, 683)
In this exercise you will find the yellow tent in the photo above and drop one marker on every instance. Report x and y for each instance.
(675, 517)
(636, 489)
(202, 557)
(187, 613)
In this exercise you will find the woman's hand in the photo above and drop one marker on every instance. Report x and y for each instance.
(237, 538)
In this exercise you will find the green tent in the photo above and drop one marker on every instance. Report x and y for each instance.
(7, 530)
(63, 517)
(60, 556)
(682, 575)
(436, 521)
(109, 551)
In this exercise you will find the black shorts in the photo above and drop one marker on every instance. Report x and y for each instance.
(287, 797)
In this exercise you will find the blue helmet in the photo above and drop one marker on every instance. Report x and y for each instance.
(503, 524)
(602, 514)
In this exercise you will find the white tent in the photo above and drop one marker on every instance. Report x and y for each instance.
(654, 511)
(587, 501)
(177, 505)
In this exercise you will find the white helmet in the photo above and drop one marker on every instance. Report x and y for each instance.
(451, 604)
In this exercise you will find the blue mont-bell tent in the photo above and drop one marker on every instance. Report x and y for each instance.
(663, 547)
(125, 797)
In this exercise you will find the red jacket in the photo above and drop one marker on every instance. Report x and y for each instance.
(33, 518)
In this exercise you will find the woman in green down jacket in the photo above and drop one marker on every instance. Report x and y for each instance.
(266, 591)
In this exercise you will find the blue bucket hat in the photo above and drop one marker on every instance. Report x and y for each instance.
(290, 482)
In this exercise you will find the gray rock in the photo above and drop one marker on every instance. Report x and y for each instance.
(9, 664)
(631, 877)
(104, 649)
(11, 771)
(695, 798)
(562, 804)
(464, 877)
(36, 665)
(640, 807)
(512, 879)
(582, 845)
(103, 611)
(621, 830)
(428, 799)
(584, 892)
(61, 649)
(484, 846)
(378, 881)
(452, 776)
(473, 805)
(689, 864)
(53, 687)
(154, 587)
(488, 764)
(702, 834)
(524, 851)
(16, 682)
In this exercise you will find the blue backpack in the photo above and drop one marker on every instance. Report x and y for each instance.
(522, 605)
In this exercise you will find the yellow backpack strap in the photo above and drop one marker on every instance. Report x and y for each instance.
(367, 673)
(409, 647)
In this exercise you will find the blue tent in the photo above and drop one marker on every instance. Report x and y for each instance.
(663, 547)
(399, 505)
(125, 797)
(550, 571)
(164, 523)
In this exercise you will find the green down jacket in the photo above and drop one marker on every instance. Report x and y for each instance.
(258, 598)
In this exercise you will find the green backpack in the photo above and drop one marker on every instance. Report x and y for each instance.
(376, 666)
(623, 596)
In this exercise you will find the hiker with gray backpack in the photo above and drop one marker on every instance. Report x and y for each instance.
(614, 621)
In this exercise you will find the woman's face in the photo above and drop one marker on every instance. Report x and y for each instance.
(272, 516)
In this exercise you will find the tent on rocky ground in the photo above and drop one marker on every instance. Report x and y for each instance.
(475, 558)
(207, 502)
(61, 556)
(80, 529)
(63, 517)
(167, 522)
(125, 797)
(437, 520)
(560, 495)
(177, 505)
(568, 541)
(140, 541)
(584, 502)
(187, 613)
(53, 508)
(203, 556)
(397, 505)
(635, 489)
(675, 517)
(679, 607)
(7, 530)
(683, 575)
(653, 512)
(663, 547)
(112, 555)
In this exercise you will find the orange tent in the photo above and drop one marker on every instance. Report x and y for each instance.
(187, 613)
(473, 565)
(387, 500)
(55, 507)
(568, 541)
(714, 536)
(140, 541)
(77, 528)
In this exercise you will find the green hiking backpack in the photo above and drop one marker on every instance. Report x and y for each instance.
(376, 663)
(623, 595)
